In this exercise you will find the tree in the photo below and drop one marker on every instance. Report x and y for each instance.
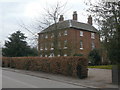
(94, 57)
(107, 16)
(16, 46)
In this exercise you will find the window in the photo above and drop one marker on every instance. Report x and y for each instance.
(93, 45)
(41, 36)
(41, 47)
(41, 55)
(58, 55)
(93, 35)
(45, 55)
(65, 32)
(59, 34)
(65, 54)
(59, 45)
(51, 55)
(81, 33)
(81, 45)
(46, 36)
(65, 44)
(52, 35)
(45, 46)
(52, 46)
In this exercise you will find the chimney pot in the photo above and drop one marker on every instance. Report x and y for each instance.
(61, 18)
(89, 20)
(75, 15)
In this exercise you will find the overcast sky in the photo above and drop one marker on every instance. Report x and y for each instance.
(14, 12)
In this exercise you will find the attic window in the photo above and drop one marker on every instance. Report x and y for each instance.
(65, 32)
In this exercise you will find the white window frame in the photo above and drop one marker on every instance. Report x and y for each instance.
(59, 34)
(52, 35)
(58, 55)
(65, 55)
(52, 46)
(93, 35)
(65, 44)
(93, 45)
(81, 33)
(45, 46)
(41, 55)
(45, 55)
(65, 32)
(52, 55)
(41, 47)
(81, 44)
(46, 36)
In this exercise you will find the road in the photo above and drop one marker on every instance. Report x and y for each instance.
(18, 80)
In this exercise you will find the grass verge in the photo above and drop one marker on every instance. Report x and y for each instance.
(101, 67)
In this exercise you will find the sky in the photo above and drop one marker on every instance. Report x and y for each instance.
(14, 13)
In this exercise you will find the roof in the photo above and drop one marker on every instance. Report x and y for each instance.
(71, 24)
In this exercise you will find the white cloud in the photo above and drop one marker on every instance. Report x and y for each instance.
(11, 11)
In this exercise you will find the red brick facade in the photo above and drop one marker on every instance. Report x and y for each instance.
(70, 41)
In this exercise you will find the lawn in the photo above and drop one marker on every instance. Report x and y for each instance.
(101, 67)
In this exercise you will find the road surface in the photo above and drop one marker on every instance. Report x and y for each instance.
(17, 80)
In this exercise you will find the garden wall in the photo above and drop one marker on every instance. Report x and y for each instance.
(72, 66)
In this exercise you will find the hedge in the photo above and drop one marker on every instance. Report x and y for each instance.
(70, 66)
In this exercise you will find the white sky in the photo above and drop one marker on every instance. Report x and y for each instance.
(14, 12)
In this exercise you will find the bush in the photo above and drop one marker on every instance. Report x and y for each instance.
(58, 65)
(94, 57)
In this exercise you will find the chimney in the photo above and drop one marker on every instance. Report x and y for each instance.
(61, 18)
(89, 20)
(75, 15)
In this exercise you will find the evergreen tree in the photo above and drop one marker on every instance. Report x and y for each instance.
(16, 46)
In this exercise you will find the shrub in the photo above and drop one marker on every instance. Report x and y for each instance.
(58, 65)
(94, 57)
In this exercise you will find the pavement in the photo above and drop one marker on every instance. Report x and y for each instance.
(97, 78)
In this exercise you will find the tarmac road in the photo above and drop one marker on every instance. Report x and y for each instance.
(18, 80)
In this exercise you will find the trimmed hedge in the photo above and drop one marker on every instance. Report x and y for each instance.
(58, 65)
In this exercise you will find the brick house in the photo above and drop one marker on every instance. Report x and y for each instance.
(72, 37)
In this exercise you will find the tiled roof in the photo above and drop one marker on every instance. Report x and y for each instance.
(71, 24)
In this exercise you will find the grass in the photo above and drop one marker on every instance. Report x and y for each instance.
(101, 67)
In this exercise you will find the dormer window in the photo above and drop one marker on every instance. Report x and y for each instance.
(81, 33)
(65, 32)
(93, 35)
